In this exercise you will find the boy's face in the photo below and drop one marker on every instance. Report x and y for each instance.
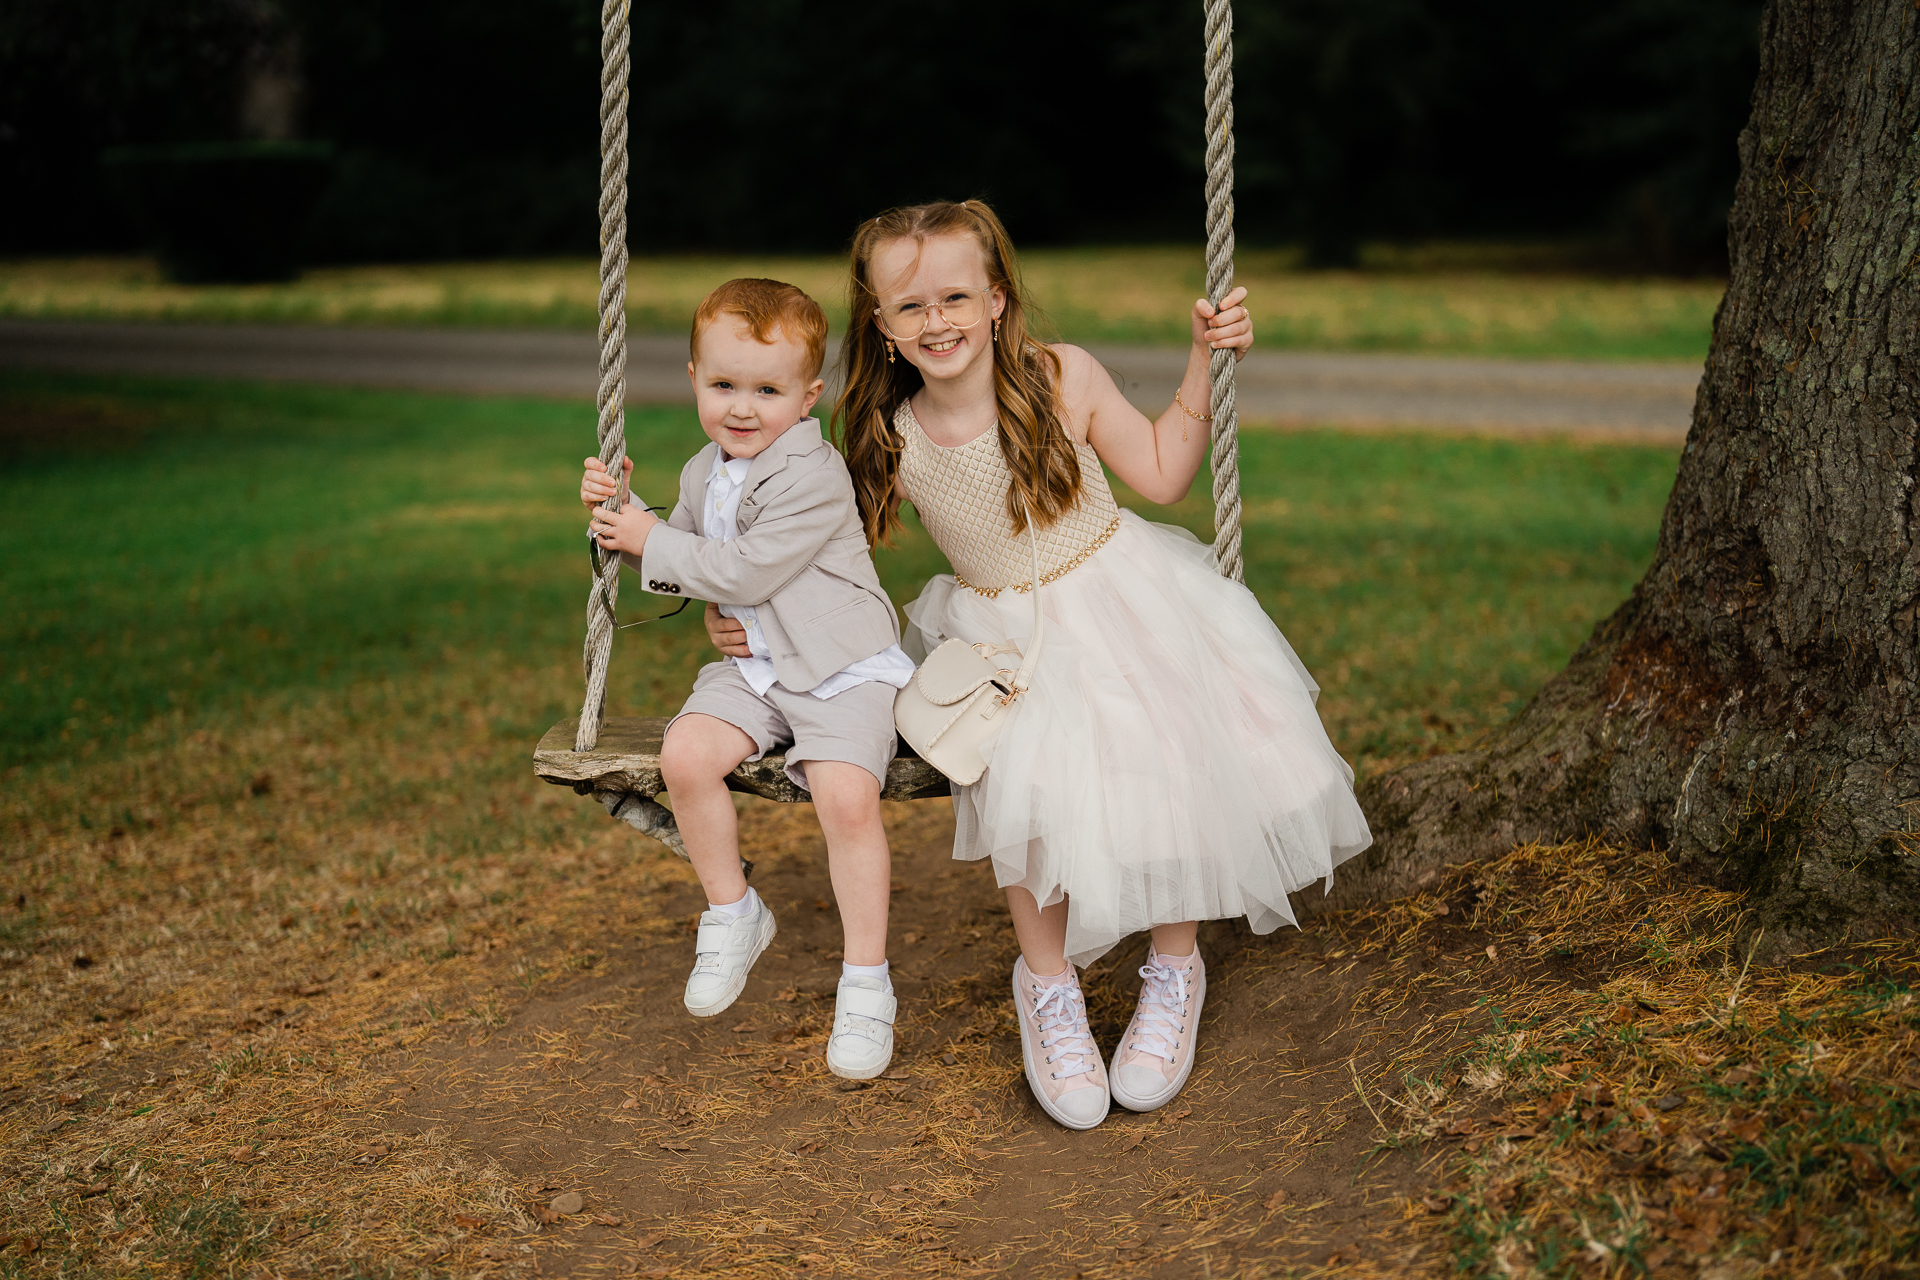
(749, 392)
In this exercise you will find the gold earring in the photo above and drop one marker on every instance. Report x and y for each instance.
(996, 328)
(889, 350)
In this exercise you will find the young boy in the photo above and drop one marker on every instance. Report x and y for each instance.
(767, 528)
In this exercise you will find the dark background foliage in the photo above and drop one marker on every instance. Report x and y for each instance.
(468, 129)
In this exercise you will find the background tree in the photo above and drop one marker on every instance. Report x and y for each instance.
(467, 127)
(1752, 705)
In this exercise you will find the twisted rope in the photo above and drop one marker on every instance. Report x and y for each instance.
(612, 398)
(1226, 422)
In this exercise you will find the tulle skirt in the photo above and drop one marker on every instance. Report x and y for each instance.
(1167, 763)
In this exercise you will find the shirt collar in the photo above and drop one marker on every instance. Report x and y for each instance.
(735, 469)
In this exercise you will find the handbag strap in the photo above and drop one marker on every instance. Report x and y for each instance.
(1025, 673)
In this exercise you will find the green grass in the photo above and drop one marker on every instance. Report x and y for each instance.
(178, 554)
(1437, 299)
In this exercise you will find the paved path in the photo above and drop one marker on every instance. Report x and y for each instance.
(1626, 401)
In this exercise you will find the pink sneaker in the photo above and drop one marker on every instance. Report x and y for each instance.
(1063, 1063)
(1155, 1056)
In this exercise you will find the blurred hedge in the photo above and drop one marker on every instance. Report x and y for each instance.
(468, 129)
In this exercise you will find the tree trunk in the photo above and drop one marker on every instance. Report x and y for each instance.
(1751, 707)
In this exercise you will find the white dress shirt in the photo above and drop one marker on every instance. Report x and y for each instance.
(726, 483)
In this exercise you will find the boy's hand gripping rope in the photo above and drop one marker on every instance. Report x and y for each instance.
(1226, 451)
(612, 399)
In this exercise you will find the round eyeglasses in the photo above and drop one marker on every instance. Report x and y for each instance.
(905, 321)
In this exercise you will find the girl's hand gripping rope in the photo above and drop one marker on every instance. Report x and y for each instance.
(1229, 328)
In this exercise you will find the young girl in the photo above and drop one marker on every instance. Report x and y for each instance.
(1167, 765)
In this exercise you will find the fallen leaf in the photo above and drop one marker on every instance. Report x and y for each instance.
(308, 989)
(245, 1155)
(821, 904)
(1441, 908)
(948, 1060)
(648, 1241)
(609, 1219)
(568, 1203)
(1277, 1199)
(467, 1222)
(496, 1252)
(806, 1148)
(1629, 1142)
(671, 1144)
(95, 1189)
(71, 1099)
(1436, 1204)
(1865, 1161)
(545, 1217)
(739, 1051)
(631, 1103)
(1132, 1139)
(1174, 1117)
(908, 939)
(1621, 1013)
(897, 1073)
(1749, 1129)
(1493, 952)
(372, 1154)
(748, 1025)
(1739, 1075)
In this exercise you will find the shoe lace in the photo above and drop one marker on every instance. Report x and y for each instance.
(1162, 1013)
(1060, 1011)
(859, 1024)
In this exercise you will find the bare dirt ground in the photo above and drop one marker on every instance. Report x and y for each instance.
(726, 1143)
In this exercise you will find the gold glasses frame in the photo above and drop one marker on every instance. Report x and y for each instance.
(986, 311)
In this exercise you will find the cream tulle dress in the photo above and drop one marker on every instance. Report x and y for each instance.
(1167, 763)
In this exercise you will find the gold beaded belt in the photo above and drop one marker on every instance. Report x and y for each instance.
(1079, 558)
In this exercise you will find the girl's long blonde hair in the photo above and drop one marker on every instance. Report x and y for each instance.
(1026, 379)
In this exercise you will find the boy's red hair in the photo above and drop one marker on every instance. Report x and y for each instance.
(767, 306)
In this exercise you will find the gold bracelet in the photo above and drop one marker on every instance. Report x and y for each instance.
(1198, 417)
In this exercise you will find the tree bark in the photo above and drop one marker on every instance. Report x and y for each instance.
(1751, 707)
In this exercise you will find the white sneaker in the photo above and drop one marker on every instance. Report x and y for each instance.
(1063, 1063)
(1153, 1060)
(723, 952)
(861, 1045)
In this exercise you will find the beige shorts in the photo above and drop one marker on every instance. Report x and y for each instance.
(854, 726)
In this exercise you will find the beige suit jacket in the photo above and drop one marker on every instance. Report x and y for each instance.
(800, 558)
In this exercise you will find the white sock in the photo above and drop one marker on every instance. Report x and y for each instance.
(736, 909)
(1055, 977)
(867, 971)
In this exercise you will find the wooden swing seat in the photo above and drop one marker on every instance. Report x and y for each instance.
(627, 761)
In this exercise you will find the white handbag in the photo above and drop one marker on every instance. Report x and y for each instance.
(959, 698)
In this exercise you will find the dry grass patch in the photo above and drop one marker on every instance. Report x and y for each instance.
(1406, 302)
